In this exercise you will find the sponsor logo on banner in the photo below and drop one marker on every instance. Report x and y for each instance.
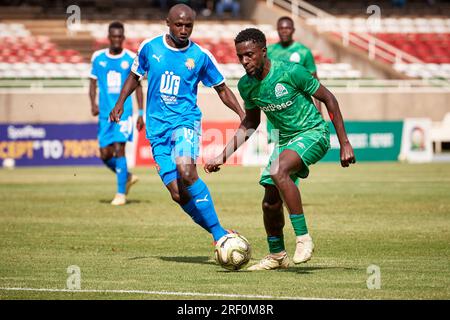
(49, 144)
(215, 134)
(371, 140)
(416, 142)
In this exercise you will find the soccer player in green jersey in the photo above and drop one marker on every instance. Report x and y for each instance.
(283, 91)
(290, 51)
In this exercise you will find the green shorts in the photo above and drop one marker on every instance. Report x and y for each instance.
(310, 145)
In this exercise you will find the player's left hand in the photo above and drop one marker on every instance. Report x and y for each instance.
(213, 165)
(347, 155)
(140, 123)
(116, 113)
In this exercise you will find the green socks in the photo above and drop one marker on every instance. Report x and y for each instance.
(276, 243)
(299, 224)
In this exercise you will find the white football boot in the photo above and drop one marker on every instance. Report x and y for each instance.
(132, 179)
(271, 262)
(119, 200)
(304, 249)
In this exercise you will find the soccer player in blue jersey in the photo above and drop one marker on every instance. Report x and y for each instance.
(110, 68)
(174, 66)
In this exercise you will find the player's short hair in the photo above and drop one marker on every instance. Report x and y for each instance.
(285, 18)
(251, 34)
(116, 25)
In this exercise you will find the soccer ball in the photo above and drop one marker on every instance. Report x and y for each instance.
(232, 251)
(9, 163)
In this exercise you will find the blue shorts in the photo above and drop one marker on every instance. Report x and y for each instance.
(110, 132)
(181, 142)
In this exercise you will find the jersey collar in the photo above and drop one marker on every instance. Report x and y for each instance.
(175, 49)
(114, 56)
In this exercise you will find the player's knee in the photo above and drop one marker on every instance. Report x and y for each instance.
(272, 207)
(105, 156)
(175, 196)
(119, 149)
(187, 176)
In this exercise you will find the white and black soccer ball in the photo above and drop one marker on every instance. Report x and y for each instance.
(232, 251)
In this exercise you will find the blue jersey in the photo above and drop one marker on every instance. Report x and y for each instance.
(111, 71)
(173, 77)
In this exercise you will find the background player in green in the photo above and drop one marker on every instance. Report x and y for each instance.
(283, 91)
(289, 50)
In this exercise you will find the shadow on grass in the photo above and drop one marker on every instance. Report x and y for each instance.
(312, 269)
(195, 259)
(104, 201)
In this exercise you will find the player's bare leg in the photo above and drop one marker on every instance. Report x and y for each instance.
(106, 154)
(287, 163)
(188, 174)
(272, 206)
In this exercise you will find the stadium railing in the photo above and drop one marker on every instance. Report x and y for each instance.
(374, 47)
(347, 84)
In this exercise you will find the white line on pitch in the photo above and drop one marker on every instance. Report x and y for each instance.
(166, 293)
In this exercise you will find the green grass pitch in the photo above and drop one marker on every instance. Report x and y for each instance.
(395, 216)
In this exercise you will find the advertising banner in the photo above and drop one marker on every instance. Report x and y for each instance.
(371, 140)
(76, 144)
(416, 143)
(49, 144)
(215, 134)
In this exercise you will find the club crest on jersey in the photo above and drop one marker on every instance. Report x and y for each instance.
(295, 57)
(280, 90)
(190, 63)
(125, 65)
(102, 63)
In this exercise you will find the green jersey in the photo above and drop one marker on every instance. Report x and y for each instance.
(296, 52)
(285, 97)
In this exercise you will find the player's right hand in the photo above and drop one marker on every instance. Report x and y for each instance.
(94, 110)
(347, 155)
(213, 165)
(116, 113)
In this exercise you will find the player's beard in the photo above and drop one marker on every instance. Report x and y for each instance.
(177, 41)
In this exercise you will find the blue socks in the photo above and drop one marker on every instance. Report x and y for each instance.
(201, 209)
(122, 174)
(191, 210)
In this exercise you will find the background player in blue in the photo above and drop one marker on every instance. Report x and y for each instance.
(174, 66)
(110, 68)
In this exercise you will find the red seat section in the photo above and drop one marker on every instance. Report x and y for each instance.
(35, 49)
(223, 50)
(429, 47)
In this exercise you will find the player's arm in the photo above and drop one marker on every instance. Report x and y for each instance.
(310, 65)
(316, 101)
(130, 85)
(229, 99)
(140, 101)
(325, 96)
(93, 96)
(247, 127)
